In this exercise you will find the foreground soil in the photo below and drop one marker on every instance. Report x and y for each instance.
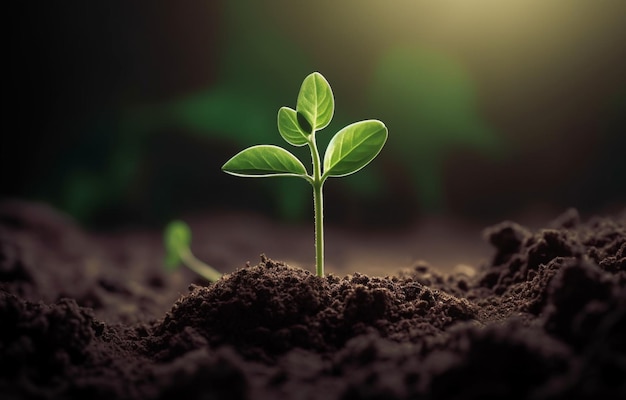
(80, 318)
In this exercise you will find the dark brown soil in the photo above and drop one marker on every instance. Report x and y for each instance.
(82, 317)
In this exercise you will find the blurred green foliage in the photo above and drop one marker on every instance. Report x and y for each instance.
(127, 112)
(426, 99)
(430, 104)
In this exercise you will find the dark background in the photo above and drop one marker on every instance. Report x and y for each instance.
(123, 111)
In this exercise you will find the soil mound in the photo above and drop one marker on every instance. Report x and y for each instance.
(545, 319)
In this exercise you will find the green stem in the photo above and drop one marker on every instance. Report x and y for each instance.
(318, 203)
(199, 267)
(318, 199)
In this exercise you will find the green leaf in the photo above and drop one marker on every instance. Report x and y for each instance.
(289, 127)
(315, 102)
(177, 238)
(264, 160)
(353, 147)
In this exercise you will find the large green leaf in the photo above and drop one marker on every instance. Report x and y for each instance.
(289, 127)
(353, 147)
(177, 238)
(315, 102)
(264, 160)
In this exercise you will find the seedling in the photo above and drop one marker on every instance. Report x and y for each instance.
(177, 245)
(351, 149)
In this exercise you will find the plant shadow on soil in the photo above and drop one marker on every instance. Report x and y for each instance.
(545, 318)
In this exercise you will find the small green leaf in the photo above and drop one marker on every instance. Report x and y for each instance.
(177, 238)
(315, 101)
(353, 147)
(289, 127)
(264, 160)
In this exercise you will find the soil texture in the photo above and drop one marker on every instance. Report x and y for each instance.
(82, 317)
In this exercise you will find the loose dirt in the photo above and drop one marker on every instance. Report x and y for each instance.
(81, 317)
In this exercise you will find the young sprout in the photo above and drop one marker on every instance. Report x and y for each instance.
(177, 239)
(351, 149)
